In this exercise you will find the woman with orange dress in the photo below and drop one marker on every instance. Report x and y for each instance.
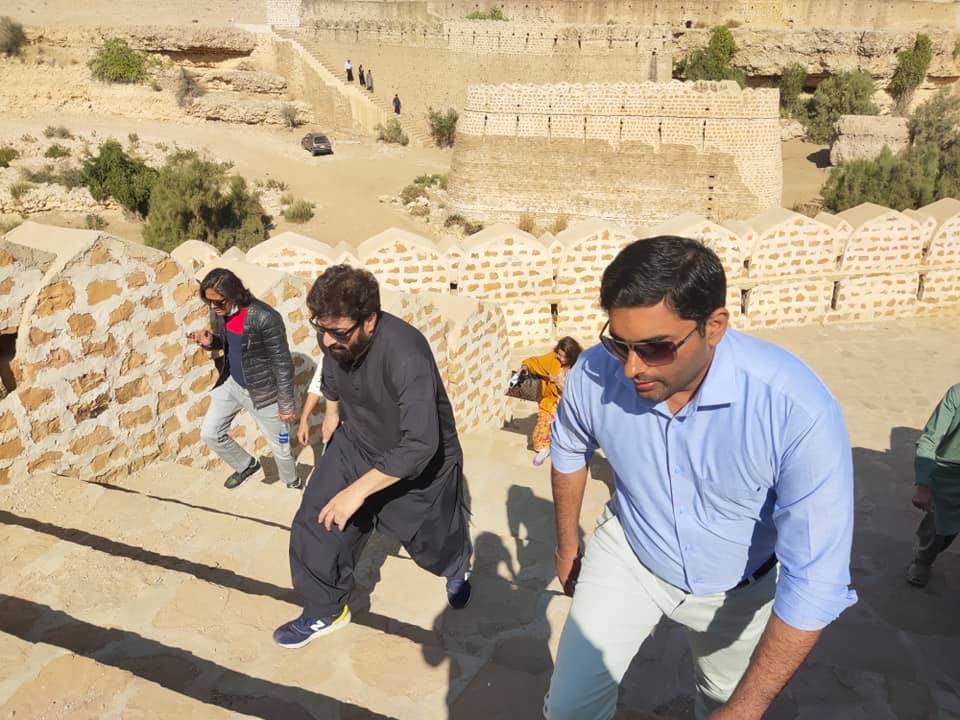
(552, 370)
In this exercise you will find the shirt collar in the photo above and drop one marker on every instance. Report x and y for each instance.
(720, 386)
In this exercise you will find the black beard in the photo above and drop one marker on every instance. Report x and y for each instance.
(346, 356)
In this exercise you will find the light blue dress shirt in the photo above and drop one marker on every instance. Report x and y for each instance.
(757, 463)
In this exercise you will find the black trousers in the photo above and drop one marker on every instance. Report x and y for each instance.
(426, 514)
(929, 542)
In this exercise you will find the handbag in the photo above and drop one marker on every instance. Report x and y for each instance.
(524, 385)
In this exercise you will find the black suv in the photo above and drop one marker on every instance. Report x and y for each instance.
(317, 144)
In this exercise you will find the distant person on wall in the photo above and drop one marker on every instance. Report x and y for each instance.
(552, 369)
(370, 80)
(937, 479)
(396, 104)
(733, 510)
(256, 376)
(363, 77)
(348, 69)
(394, 462)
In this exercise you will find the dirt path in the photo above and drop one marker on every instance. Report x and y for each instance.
(345, 186)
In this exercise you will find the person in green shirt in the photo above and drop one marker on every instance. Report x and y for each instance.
(937, 470)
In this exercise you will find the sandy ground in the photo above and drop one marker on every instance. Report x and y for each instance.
(134, 12)
(344, 186)
(806, 167)
(156, 598)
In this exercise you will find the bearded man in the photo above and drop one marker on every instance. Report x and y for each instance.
(393, 458)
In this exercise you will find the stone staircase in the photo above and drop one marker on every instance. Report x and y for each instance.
(416, 129)
(169, 578)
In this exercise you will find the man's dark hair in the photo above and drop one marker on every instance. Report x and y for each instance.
(344, 291)
(227, 284)
(683, 272)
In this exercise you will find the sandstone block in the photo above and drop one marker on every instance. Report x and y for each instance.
(101, 290)
(137, 279)
(136, 417)
(133, 389)
(123, 312)
(33, 398)
(81, 325)
(170, 399)
(91, 441)
(166, 271)
(54, 298)
(11, 449)
(44, 461)
(164, 325)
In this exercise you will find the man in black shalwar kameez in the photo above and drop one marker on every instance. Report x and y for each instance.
(394, 462)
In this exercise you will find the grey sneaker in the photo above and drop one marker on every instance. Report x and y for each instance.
(918, 573)
(237, 478)
(296, 484)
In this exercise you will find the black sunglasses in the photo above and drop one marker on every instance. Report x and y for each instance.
(337, 334)
(216, 303)
(662, 352)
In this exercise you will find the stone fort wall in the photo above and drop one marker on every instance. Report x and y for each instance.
(862, 14)
(617, 151)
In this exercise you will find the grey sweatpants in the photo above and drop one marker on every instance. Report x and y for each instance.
(226, 401)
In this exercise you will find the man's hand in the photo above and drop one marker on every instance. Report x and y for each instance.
(203, 338)
(331, 421)
(568, 570)
(303, 432)
(286, 417)
(923, 498)
(342, 507)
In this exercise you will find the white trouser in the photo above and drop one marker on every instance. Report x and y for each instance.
(616, 606)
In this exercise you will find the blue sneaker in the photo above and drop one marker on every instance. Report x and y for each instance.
(297, 633)
(458, 591)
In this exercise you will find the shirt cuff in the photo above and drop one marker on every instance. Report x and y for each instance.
(566, 461)
(811, 606)
(922, 467)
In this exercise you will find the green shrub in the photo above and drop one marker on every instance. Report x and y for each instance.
(443, 126)
(494, 13)
(57, 151)
(911, 71)
(111, 173)
(420, 211)
(392, 132)
(560, 223)
(411, 192)
(927, 170)
(94, 222)
(12, 37)
(454, 219)
(432, 180)
(40, 176)
(19, 189)
(287, 198)
(57, 131)
(848, 93)
(8, 225)
(274, 184)
(714, 61)
(188, 88)
(791, 85)
(196, 198)
(527, 223)
(117, 62)
(299, 211)
(133, 138)
(290, 115)
(70, 177)
(7, 155)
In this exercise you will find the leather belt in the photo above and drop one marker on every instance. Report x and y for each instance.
(769, 565)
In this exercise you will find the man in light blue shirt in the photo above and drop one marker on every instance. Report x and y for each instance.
(733, 511)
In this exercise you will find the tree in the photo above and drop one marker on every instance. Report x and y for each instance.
(714, 61)
(195, 198)
(443, 126)
(111, 173)
(117, 62)
(791, 85)
(927, 170)
(848, 93)
(912, 66)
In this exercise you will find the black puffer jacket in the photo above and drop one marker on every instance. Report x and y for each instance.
(267, 365)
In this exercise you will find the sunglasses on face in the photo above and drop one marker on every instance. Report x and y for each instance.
(219, 304)
(341, 336)
(662, 352)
